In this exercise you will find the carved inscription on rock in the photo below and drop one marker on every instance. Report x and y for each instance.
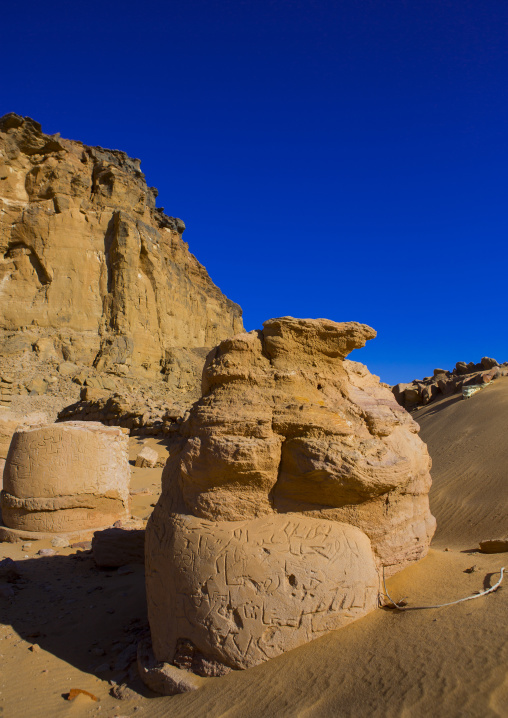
(66, 477)
(254, 589)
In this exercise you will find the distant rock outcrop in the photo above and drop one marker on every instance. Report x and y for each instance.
(445, 383)
(90, 270)
(296, 477)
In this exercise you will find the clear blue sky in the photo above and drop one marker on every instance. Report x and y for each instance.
(342, 159)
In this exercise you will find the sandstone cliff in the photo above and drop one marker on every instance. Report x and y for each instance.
(90, 270)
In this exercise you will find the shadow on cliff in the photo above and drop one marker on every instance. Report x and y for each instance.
(88, 617)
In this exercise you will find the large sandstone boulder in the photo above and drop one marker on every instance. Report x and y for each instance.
(296, 478)
(70, 478)
(87, 261)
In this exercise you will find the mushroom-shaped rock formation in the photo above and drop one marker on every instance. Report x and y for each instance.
(70, 478)
(297, 476)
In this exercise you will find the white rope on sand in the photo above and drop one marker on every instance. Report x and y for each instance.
(441, 605)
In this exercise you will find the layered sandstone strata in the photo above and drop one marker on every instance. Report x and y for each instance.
(297, 477)
(65, 478)
(97, 273)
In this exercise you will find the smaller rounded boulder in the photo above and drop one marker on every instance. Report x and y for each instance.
(68, 478)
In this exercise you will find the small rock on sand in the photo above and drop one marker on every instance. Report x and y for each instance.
(124, 570)
(60, 542)
(494, 545)
(83, 545)
(122, 692)
(147, 458)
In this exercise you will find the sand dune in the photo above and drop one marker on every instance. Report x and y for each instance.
(447, 663)
(468, 443)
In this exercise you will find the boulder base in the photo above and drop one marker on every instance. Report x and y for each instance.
(246, 591)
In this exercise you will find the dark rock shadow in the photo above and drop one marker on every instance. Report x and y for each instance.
(90, 618)
(490, 579)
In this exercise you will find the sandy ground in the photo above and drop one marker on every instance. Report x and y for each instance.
(71, 625)
(468, 442)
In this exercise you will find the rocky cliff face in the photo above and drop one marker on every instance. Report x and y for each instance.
(90, 270)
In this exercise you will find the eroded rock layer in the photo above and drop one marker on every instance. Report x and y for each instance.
(90, 269)
(296, 478)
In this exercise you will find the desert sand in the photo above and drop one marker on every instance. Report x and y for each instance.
(467, 442)
(443, 662)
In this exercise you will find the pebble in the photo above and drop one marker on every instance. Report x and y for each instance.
(84, 545)
(124, 570)
(122, 692)
(46, 552)
(60, 542)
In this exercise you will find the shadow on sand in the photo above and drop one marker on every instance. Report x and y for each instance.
(436, 408)
(90, 618)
